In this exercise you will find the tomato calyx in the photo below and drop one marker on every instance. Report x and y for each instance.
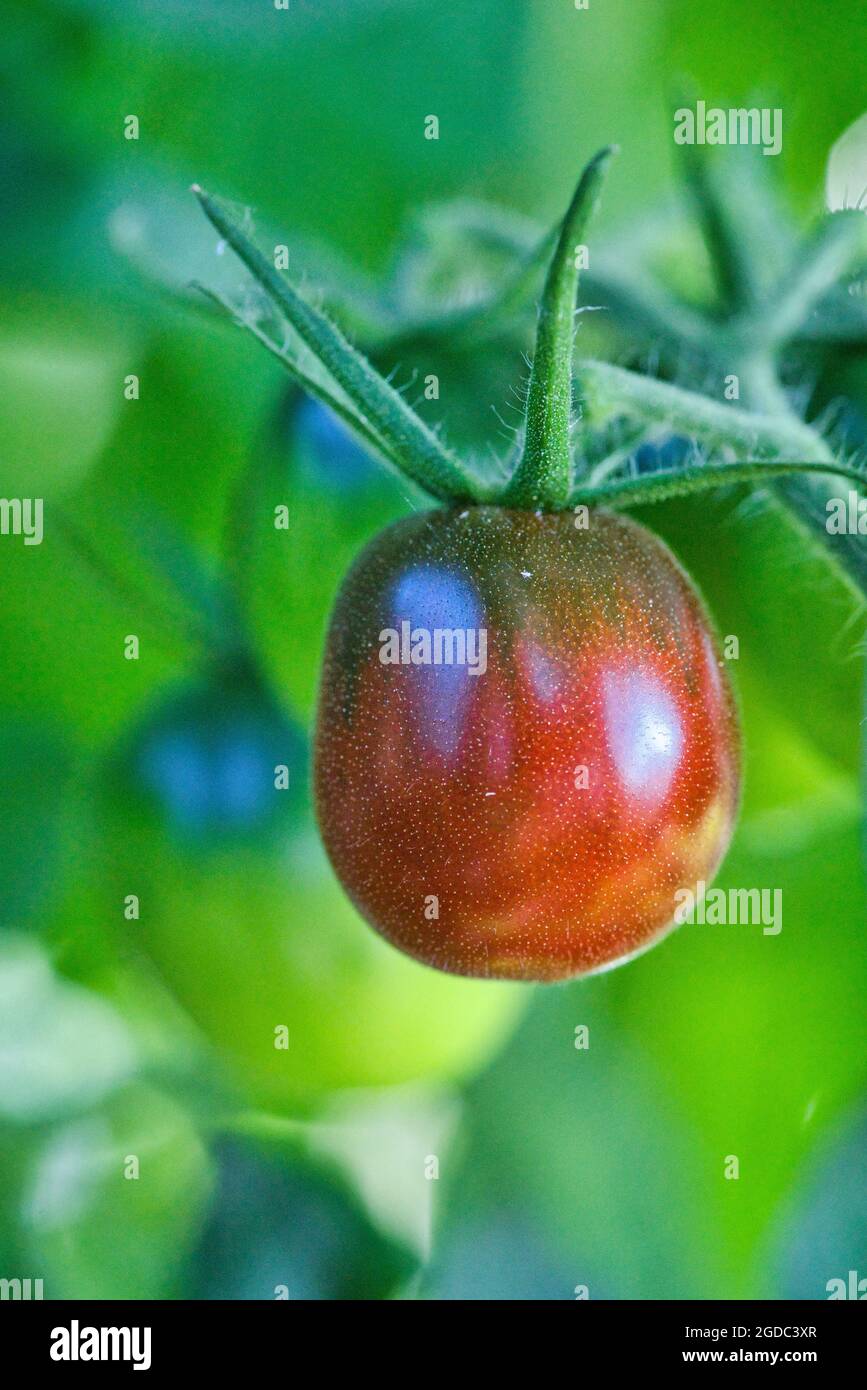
(556, 465)
(542, 479)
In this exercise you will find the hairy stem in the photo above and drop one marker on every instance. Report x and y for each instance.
(611, 391)
(838, 247)
(326, 396)
(659, 487)
(543, 476)
(418, 450)
(730, 250)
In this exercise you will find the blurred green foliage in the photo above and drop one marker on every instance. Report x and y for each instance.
(147, 1038)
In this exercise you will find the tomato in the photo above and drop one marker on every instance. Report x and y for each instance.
(528, 805)
(327, 453)
(207, 761)
(245, 921)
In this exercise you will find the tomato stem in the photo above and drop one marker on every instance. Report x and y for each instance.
(759, 318)
(342, 408)
(404, 436)
(543, 476)
(659, 487)
(723, 229)
(610, 391)
(837, 248)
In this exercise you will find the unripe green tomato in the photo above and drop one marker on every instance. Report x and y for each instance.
(247, 925)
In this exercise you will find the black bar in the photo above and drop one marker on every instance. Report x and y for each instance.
(224, 1338)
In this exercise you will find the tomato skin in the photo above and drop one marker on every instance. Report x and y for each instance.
(451, 804)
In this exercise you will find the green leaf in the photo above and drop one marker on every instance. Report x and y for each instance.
(466, 270)
(759, 570)
(289, 592)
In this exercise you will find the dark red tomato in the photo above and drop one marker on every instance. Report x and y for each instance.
(527, 742)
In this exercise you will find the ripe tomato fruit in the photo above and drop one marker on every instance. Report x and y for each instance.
(531, 811)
